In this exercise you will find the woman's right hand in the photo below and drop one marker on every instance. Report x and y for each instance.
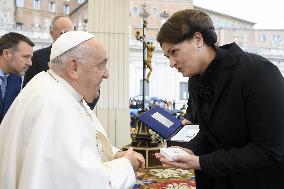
(183, 162)
(185, 149)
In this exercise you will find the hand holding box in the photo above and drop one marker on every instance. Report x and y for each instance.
(171, 153)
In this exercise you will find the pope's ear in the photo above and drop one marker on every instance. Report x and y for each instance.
(72, 68)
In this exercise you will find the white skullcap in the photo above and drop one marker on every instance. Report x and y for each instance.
(67, 41)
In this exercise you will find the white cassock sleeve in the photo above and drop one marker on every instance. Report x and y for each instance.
(100, 128)
(54, 148)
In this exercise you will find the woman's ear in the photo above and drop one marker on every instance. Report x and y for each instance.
(199, 39)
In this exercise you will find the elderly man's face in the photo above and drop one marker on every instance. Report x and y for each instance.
(93, 72)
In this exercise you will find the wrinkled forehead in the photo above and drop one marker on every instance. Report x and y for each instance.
(100, 50)
(103, 53)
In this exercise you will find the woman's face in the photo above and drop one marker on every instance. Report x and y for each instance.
(187, 57)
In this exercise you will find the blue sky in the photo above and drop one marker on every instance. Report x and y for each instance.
(267, 14)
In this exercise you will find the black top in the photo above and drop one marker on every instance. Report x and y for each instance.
(239, 102)
(205, 84)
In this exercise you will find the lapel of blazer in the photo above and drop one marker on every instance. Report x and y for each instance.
(203, 124)
(223, 78)
(228, 61)
(194, 90)
(12, 89)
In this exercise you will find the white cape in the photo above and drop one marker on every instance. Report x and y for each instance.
(47, 142)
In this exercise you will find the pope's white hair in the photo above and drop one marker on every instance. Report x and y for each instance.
(82, 53)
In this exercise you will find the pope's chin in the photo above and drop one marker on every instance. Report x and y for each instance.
(184, 74)
(90, 99)
(97, 95)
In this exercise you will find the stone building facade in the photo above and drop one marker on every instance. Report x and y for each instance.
(33, 17)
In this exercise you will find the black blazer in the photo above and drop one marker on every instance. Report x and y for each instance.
(241, 141)
(40, 61)
(191, 113)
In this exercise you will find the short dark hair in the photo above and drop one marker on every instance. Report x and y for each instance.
(183, 24)
(11, 40)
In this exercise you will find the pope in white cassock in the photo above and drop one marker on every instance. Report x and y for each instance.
(50, 139)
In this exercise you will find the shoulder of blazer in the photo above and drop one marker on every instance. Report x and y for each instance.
(248, 60)
(233, 55)
(41, 58)
(42, 52)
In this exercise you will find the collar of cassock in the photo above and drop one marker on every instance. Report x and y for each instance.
(66, 85)
(107, 150)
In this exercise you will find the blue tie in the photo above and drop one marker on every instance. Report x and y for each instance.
(1, 99)
(1, 85)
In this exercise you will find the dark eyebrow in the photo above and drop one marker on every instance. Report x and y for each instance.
(169, 49)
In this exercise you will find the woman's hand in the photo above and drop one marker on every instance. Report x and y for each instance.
(189, 161)
(189, 151)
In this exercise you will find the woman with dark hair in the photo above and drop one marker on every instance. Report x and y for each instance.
(239, 144)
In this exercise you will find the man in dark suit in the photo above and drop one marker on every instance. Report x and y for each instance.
(16, 51)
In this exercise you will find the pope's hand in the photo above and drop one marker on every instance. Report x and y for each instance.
(119, 154)
(136, 159)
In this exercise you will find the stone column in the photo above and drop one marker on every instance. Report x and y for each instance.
(109, 21)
